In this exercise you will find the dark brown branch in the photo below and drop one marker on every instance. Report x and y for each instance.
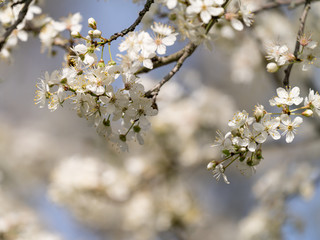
(179, 57)
(17, 3)
(134, 25)
(162, 61)
(21, 17)
(187, 51)
(303, 18)
(279, 3)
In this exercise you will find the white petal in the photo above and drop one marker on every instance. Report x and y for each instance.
(219, 2)
(252, 146)
(258, 127)
(295, 92)
(297, 100)
(23, 35)
(275, 134)
(237, 24)
(282, 93)
(312, 44)
(140, 139)
(297, 121)
(262, 137)
(80, 48)
(286, 120)
(289, 137)
(168, 41)
(171, 3)
(148, 63)
(89, 59)
(100, 90)
(283, 49)
(161, 49)
(216, 11)
(205, 16)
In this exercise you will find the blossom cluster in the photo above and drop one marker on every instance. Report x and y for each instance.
(194, 17)
(141, 47)
(242, 143)
(119, 113)
(280, 55)
(51, 30)
(47, 29)
(9, 13)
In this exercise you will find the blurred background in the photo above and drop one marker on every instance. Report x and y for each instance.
(60, 180)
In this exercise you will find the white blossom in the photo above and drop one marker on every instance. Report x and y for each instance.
(206, 8)
(287, 97)
(164, 36)
(313, 101)
(289, 127)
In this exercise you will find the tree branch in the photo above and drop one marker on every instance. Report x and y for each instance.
(21, 17)
(303, 18)
(187, 51)
(279, 3)
(134, 25)
(162, 61)
(180, 57)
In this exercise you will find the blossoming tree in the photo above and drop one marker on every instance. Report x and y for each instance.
(114, 95)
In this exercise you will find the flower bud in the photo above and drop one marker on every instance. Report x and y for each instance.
(307, 113)
(272, 67)
(211, 165)
(92, 23)
(75, 34)
(111, 63)
(259, 112)
(101, 63)
(90, 33)
(96, 33)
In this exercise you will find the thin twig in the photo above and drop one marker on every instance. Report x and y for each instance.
(134, 25)
(180, 57)
(303, 18)
(21, 17)
(279, 3)
(17, 3)
(162, 61)
(187, 51)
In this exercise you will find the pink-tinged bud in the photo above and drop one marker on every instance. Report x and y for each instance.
(272, 67)
(75, 34)
(96, 33)
(307, 113)
(92, 23)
